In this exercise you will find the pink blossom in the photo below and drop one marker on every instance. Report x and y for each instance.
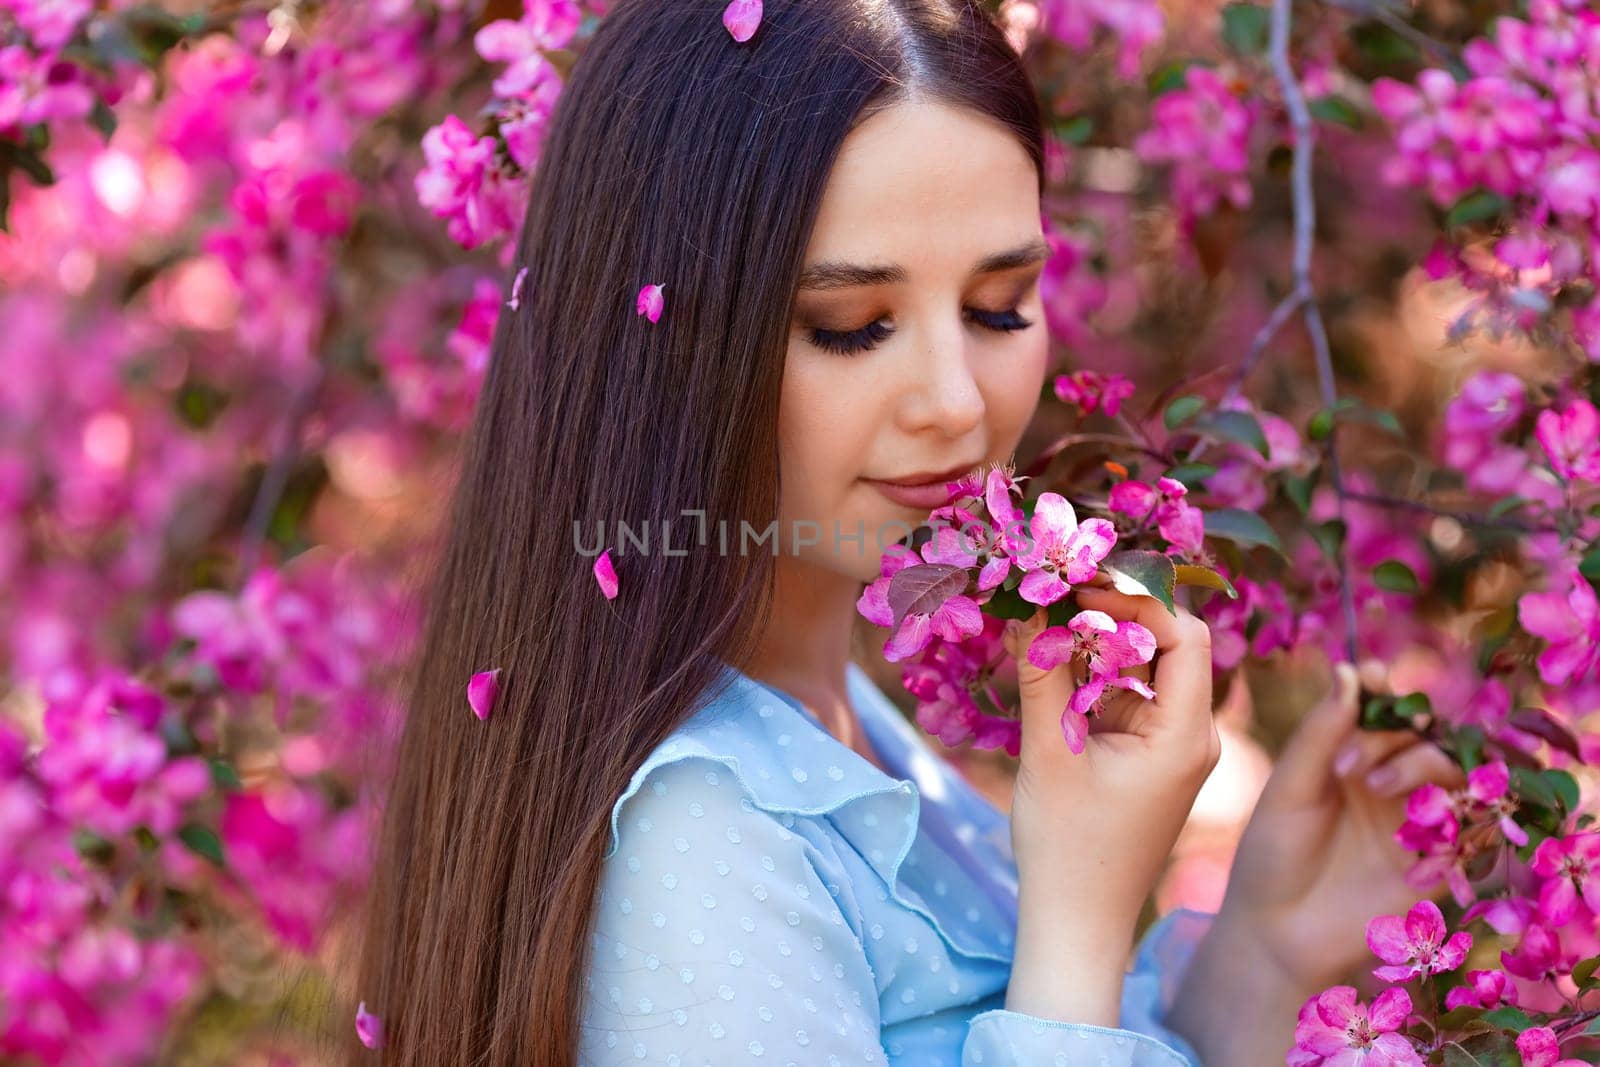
(1569, 620)
(465, 184)
(1571, 438)
(1416, 944)
(1570, 871)
(1336, 1030)
(1092, 391)
(369, 1028)
(650, 302)
(481, 692)
(742, 17)
(1539, 1048)
(1107, 646)
(954, 620)
(544, 25)
(1135, 26)
(1181, 524)
(1203, 130)
(40, 89)
(606, 575)
(1064, 553)
(1539, 956)
(1483, 989)
(950, 681)
(516, 289)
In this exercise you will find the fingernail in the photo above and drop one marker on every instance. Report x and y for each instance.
(1382, 778)
(1346, 760)
(1345, 680)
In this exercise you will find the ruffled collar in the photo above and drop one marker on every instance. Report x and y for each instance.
(789, 764)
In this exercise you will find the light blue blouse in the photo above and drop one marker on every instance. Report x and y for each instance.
(771, 897)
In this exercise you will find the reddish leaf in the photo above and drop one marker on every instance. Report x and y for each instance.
(921, 588)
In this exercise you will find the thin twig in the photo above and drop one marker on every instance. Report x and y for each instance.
(276, 476)
(1305, 224)
(1465, 518)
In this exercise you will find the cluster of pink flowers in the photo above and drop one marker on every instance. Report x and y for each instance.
(1203, 131)
(934, 605)
(1523, 129)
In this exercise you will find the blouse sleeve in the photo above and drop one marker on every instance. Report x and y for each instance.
(716, 941)
(1143, 1040)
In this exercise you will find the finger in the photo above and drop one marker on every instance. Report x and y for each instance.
(1414, 766)
(1365, 749)
(1043, 694)
(1305, 766)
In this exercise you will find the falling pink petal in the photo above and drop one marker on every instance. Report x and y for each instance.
(606, 575)
(481, 692)
(741, 17)
(516, 290)
(650, 302)
(369, 1028)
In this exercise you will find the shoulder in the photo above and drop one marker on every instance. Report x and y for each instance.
(748, 754)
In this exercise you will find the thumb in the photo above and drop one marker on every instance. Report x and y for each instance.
(1305, 767)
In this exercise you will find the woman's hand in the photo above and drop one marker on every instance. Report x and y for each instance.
(1318, 858)
(1316, 862)
(1092, 831)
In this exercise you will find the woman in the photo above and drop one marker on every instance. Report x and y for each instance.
(691, 831)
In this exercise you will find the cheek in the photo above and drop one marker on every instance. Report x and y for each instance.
(1012, 385)
(822, 416)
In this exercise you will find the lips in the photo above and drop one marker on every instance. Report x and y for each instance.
(924, 490)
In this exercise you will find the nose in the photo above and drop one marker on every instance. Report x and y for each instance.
(942, 394)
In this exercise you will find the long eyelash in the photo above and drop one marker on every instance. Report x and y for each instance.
(850, 342)
(1002, 321)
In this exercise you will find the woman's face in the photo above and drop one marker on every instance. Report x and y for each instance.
(918, 344)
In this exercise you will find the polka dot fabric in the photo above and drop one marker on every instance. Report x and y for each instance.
(771, 897)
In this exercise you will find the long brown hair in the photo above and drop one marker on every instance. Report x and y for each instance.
(678, 156)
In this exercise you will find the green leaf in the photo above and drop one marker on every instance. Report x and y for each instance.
(1190, 574)
(1510, 503)
(1583, 970)
(1191, 473)
(1337, 110)
(102, 118)
(1171, 76)
(223, 775)
(1396, 577)
(1008, 604)
(1413, 706)
(1075, 130)
(203, 841)
(1240, 426)
(1143, 573)
(1320, 426)
(1298, 489)
(1245, 28)
(1533, 787)
(1241, 527)
(1564, 786)
(1478, 206)
(1182, 410)
(1589, 566)
(1330, 536)
(92, 847)
(1509, 1018)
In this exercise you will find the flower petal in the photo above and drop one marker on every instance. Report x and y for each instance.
(606, 575)
(481, 691)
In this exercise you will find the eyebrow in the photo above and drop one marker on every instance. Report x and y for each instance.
(833, 274)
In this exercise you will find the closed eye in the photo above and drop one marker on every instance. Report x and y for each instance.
(853, 342)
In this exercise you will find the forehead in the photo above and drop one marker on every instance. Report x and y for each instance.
(924, 183)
